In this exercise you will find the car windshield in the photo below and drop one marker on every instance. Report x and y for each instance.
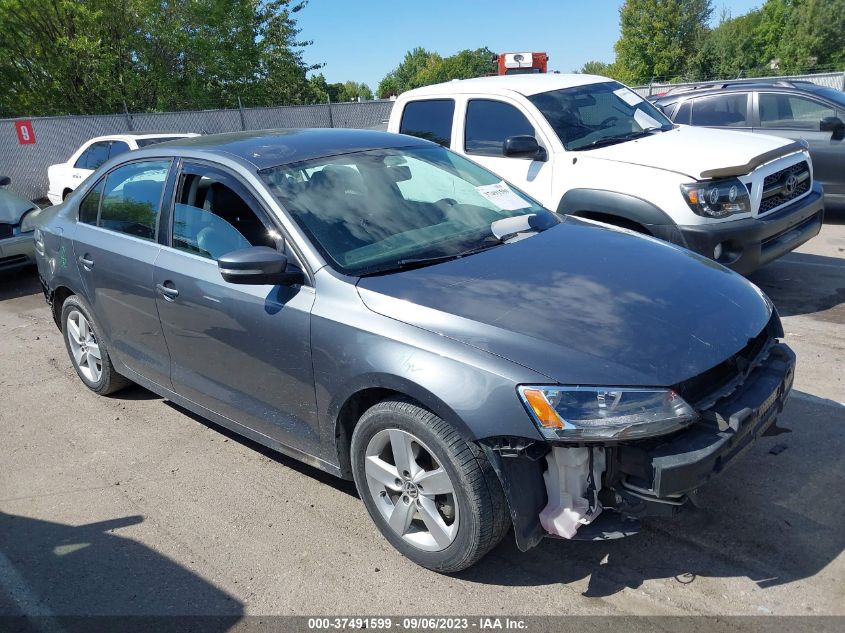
(383, 210)
(595, 115)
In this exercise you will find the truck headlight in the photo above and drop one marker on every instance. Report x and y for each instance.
(605, 413)
(717, 198)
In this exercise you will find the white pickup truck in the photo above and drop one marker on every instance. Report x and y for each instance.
(588, 146)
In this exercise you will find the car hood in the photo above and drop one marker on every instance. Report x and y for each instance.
(13, 207)
(698, 152)
(583, 303)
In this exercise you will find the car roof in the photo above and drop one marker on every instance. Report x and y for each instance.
(269, 148)
(125, 136)
(525, 84)
(739, 86)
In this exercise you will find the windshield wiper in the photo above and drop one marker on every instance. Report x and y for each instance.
(421, 262)
(621, 138)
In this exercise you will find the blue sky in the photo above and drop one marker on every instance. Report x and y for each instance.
(365, 39)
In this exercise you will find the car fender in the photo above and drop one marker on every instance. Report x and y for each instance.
(621, 205)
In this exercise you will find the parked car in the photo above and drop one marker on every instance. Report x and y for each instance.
(17, 223)
(390, 312)
(65, 177)
(797, 110)
(588, 146)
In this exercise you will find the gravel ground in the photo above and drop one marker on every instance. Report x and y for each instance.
(130, 505)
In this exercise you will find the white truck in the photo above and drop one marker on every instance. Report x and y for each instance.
(586, 145)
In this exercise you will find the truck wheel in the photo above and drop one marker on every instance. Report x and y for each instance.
(432, 495)
(87, 350)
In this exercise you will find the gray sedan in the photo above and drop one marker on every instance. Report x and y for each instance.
(389, 312)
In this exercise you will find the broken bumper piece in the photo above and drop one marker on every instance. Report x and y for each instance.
(548, 487)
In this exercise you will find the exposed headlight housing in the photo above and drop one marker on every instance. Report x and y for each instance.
(28, 220)
(717, 198)
(605, 413)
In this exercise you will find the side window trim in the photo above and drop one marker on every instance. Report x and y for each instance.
(251, 197)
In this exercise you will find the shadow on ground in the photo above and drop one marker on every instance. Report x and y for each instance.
(19, 283)
(769, 518)
(807, 284)
(62, 570)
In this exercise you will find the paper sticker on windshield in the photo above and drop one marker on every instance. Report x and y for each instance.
(628, 96)
(502, 196)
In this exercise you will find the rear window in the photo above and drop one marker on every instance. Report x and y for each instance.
(431, 120)
(144, 142)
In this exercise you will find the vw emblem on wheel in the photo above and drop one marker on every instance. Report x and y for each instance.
(410, 489)
(790, 184)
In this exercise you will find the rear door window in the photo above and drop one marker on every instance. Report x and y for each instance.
(728, 110)
(489, 123)
(94, 156)
(89, 208)
(430, 119)
(132, 198)
(118, 148)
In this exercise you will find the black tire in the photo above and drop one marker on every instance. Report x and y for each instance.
(482, 508)
(109, 381)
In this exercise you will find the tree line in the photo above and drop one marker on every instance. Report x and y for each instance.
(671, 40)
(104, 56)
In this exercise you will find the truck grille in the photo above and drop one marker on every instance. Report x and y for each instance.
(785, 185)
(5, 231)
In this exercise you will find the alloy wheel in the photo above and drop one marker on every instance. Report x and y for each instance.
(84, 346)
(411, 489)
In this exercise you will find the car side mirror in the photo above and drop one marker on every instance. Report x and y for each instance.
(5, 181)
(833, 124)
(258, 265)
(523, 147)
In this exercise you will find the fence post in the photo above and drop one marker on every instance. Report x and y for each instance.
(329, 106)
(650, 88)
(241, 112)
(843, 81)
(128, 117)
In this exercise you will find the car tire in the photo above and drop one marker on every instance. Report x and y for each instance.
(476, 505)
(83, 341)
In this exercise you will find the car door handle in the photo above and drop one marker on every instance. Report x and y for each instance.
(168, 293)
(86, 261)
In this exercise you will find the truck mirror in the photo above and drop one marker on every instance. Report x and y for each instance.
(523, 147)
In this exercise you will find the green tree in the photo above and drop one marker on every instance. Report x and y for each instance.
(816, 38)
(659, 37)
(422, 68)
(94, 56)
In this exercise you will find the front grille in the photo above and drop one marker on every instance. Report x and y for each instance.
(785, 185)
(700, 388)
(5, 231)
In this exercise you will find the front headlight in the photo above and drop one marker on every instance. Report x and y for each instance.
(28, 222)
(605, 413)
(717, 198)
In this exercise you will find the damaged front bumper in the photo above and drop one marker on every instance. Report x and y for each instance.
(654, 477)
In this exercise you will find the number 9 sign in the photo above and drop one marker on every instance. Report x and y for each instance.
(26, 135)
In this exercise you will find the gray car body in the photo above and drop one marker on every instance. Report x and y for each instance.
(16, 247)
(293, 366)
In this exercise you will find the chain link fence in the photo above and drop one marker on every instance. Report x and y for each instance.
(834, 80)
(57, 138)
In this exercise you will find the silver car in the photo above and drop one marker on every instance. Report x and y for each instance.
(17, 223)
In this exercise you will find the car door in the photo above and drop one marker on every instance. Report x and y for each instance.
(487, 123)
(115, 248)
(798, 117)
(241, 351)
(728, 111)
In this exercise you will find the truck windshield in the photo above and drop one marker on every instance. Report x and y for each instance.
(595, 115)
(382, 210)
